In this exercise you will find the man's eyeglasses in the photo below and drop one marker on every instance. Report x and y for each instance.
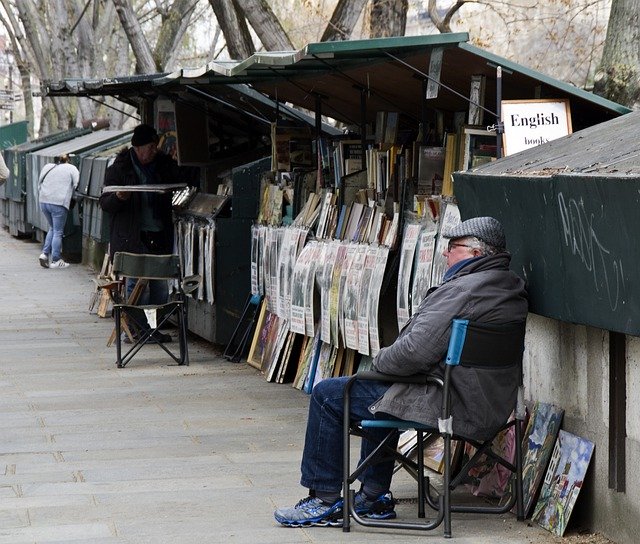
(453, 244)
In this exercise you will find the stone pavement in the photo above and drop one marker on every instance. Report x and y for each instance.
(152, 453)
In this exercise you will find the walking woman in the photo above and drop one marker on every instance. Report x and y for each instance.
(56, 185)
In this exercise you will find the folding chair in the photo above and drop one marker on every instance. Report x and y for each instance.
(486, 348)
(147, 320)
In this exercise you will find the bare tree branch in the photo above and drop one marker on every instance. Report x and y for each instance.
(234, 27)
(343, 20)
(266, 24)
(145, 62)
(174, 25)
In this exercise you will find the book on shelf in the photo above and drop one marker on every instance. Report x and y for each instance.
(381, 123)
(351, 184)
(430, 169)
(351, 230)
(391, 128)
(342, 221)
(352, 166)
(350, 153)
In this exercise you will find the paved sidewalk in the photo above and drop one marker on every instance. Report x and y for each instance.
(152, 453)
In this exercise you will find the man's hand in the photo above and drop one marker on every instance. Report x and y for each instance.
(123, 195)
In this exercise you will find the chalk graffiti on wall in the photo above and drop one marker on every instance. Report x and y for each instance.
(581, 238)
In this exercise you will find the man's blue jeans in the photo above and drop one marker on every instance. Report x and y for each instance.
(322, 457)
(56, 216)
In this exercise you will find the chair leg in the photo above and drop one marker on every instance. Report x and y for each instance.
(118, 338)
(184, 348)
(447, 486)
(519, 490)
(346, 468)
(421, 487)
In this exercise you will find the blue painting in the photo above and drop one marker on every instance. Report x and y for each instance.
(563, 481)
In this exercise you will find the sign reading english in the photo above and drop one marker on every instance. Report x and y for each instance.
(528, 123)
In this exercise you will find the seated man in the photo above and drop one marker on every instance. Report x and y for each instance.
(478, 286)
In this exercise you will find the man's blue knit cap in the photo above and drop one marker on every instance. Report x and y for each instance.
(487, 229)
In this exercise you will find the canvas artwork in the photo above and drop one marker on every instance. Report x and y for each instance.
(539, 437)
(487, 477)
(434, 452)
(563, 482)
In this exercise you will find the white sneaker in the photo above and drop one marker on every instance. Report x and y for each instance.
(59, 264)
(44, 260)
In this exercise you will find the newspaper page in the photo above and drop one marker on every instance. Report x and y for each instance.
(409, 241)
(450, 217)
(255, 252)
(262, 230)
(331, 252)
(266, 267)
(284, 267)
(274, 244)
(351, 295)
(334, 303)
(364, 299)
(298, 287)
(422, 265)
(377, 277)
(344, 304)
(315, 257)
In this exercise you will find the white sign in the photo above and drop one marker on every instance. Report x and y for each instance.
(528, 123)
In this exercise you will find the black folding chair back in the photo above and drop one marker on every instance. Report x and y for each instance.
(147, 320)
(485, 347)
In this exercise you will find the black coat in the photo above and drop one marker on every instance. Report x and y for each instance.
(126, 215)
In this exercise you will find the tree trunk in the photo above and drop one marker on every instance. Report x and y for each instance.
(618, 77)
(266, 24)
(173, 28)
(343, 20)
(141, 50)
(388, 18)
(234, 27)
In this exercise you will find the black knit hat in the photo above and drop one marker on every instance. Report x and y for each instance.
(144, 134)
(487, 229)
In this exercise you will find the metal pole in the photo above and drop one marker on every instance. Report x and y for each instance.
(363, 127)
(499, 129)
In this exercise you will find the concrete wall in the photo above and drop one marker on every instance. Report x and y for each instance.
(568, 365)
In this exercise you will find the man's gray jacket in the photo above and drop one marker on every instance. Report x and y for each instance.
(486, 291)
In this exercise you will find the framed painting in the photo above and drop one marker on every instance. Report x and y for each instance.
(259, 338)
(563, 481)
(537, 445)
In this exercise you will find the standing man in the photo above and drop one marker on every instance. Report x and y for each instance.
(478, 286)
(56, 184)
(141, 222)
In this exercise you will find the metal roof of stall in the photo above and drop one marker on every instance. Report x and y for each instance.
(391, 71)
(239, 107)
